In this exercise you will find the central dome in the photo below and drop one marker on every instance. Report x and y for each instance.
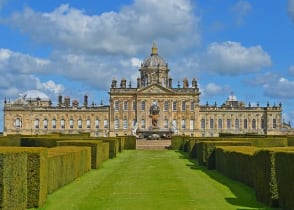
(154, 60)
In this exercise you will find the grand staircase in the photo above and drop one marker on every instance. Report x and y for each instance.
(143, 144)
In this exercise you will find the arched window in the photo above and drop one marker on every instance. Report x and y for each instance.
(211, 123)
(17, 123)
(71, 123)
(143, 104)
(126, 105)
(80, 123)
(125, 123)
(228, 123)
(116, 123)
(274, 123)
(143, 123)
(62, 123)
(54, 123)
(45, 123)
(105, 123)
(36, 123)
(183, 123)
(134, 105)
(97, 123)
(245, 123)
(88, 123)
(165, 123)
(254, 124)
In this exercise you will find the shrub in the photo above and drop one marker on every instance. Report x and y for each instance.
(177, 142)
(130, 142)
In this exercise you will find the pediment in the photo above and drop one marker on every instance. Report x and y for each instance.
(155, 89)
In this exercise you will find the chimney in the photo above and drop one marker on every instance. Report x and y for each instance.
(170, 83)
(85, 100)
(59, 100)
(67, 101)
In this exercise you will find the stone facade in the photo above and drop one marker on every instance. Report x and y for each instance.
(131, 110)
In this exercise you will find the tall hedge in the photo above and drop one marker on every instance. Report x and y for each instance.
(285, 178)
(206, 154)
(96, 150)
(113, 146)
(177, 142)
(236, 162)
(105, 151)
(37, 168)
(10, 140)
(38, 141)
(13, 180)
(130, 142)
(65, 164)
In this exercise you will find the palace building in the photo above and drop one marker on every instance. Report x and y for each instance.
(153, 106)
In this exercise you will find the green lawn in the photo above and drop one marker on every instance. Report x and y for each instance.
(153, 180)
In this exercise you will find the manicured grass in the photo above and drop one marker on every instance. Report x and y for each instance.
(153, 180)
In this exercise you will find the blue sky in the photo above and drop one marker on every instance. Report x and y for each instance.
(77, 47)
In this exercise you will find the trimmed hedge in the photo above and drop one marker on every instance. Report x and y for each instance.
(39, 141)
(37, 166)
(177, 142)
(130, 142)
(13, 180)
(113, 146)
(236, 163)
(10, 140)
(290, 140)
(285, 178)
(105, 151)
(265, 182)
(206, 154)
(66, 164)
(96, 150)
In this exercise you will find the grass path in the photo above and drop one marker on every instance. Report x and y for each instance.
(153, 180)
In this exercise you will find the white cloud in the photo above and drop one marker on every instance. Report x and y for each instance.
(120, 32)
(281, 88)
(241, 10)
(231, 58)
(291, 70)
(212, 89)
(291, 8)
(51, 86)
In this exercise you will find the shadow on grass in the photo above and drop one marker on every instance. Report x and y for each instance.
(242, 198)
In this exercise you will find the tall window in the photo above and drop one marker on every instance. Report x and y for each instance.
(105, 123)
(36, 123)
(97, 123)
(174, 124)
(62, 123)
(166, 106)
(203, 123)
(143, 123)
(54, 123)
(228, 123)
(165, 123)
(45, 123)
(183, 106)
(211, 123)
(88, 123)
(125, 123)
(71, 123)
(17, 123)
(237, 124)
(254, 124)
(126, 107)
(220, 123)
(143, 104)
(116, 105)
(262, 123)
(192, 106)
(245, 123)
(192, 124)
(183, 123)
(134, 104)
(174, 106)
(116, 123)
(80, 123)
(274, 123)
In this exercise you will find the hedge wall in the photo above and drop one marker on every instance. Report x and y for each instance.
(36, 141)
(13, 180)
(10, 140)
(105, 151)
(285, 178)
(96, 150)
(130, 142)
(205, 151)
(66, 164)
(236, 162)
(290, 140)
(113, 146)
(177, 142)
(37, 166)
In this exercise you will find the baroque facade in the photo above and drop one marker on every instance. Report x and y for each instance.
(154, 105)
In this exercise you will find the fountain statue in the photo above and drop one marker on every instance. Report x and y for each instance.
(154, 114)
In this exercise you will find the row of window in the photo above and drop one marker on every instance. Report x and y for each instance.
(166, 106)
(237, 124)
(18, 123)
